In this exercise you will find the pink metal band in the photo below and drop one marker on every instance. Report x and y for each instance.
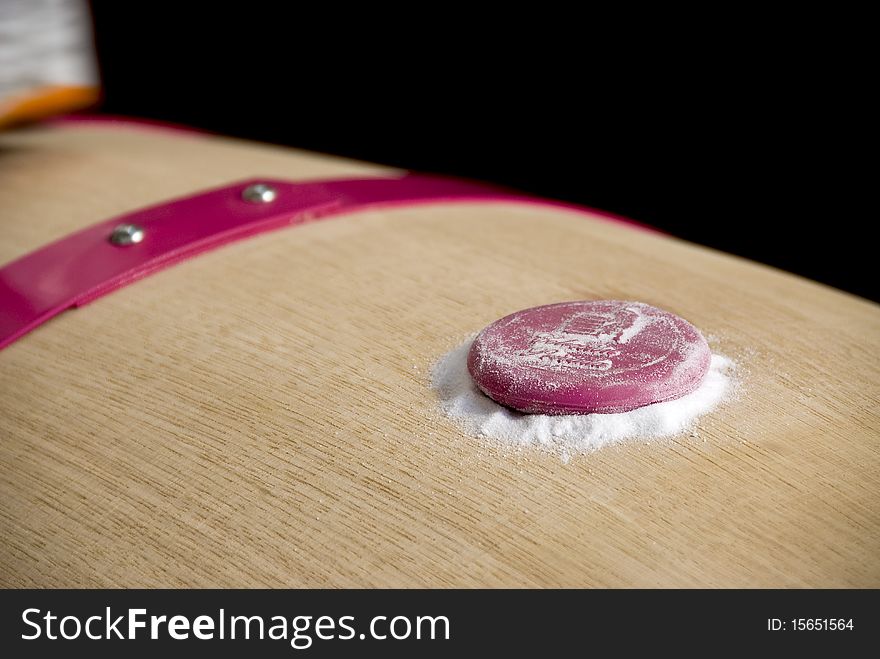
(86, 265)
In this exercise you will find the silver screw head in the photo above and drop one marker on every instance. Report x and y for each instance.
(259, 193)
(127, 234)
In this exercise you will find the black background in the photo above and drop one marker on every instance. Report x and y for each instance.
(747, 133)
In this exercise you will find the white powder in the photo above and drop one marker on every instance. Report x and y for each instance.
(480, 416)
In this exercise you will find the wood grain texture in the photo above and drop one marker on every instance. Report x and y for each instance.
(262, 416)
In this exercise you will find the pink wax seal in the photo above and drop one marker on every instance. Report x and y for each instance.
(588, 357)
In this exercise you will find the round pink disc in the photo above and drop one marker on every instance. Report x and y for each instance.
(583, 357)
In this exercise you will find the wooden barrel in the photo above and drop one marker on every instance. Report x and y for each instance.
(262, 415)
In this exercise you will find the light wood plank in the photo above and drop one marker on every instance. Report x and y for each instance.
(261, 415)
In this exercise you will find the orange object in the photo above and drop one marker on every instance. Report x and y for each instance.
(46, 101)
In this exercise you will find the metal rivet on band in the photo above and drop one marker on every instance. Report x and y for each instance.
(259, 193)
(127, 234)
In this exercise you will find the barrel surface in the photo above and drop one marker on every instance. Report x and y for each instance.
(261, 415)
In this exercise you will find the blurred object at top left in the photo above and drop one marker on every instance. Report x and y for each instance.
(47, 59)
